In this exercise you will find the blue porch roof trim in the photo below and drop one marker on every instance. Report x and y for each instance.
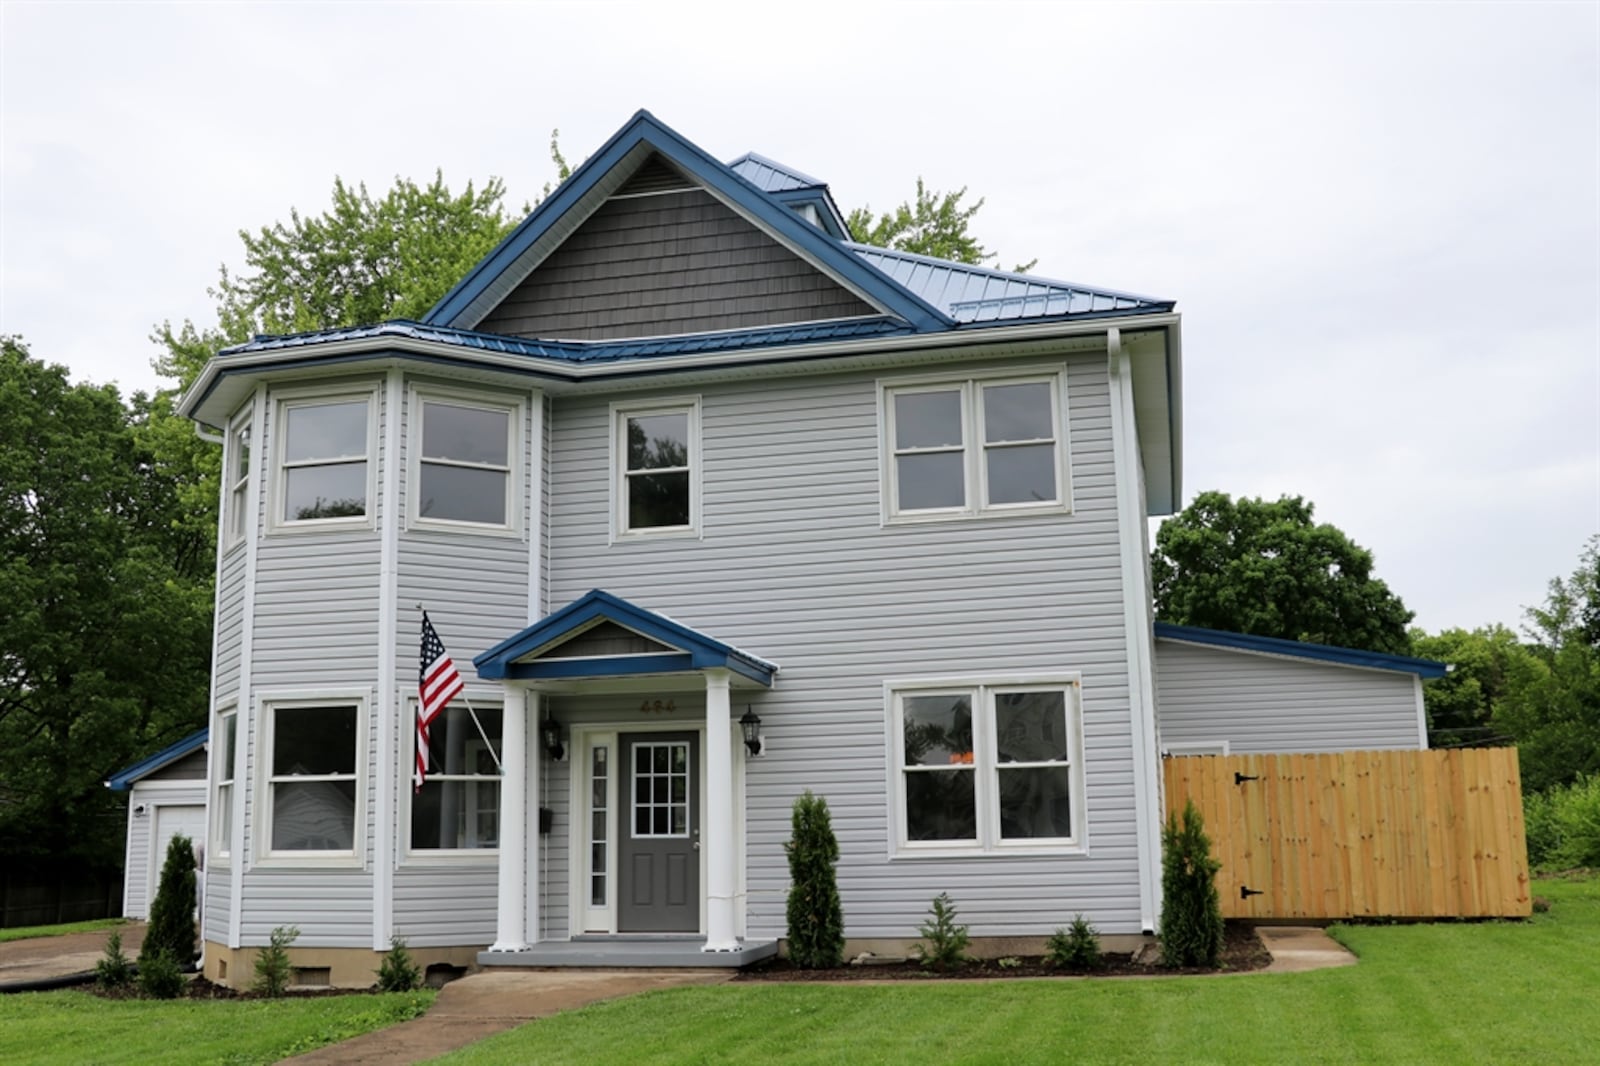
(644, 129)
(584, 351)
(973, 294)
(1326, 653)
(123, 779)
(694, 650)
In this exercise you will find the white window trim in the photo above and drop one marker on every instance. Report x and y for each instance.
(413, 856)
(983, 689)
(236, 491)
(516, 411)
(267, 704)
(216, 853)
(974, 470)
(313, 397)
(620, 413)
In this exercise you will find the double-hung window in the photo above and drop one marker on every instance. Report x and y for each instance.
(463, 462)
(222, 810)
(978, 446)
(981, 767)
(458, 806)
(313, 759)
(655, 486)
(324, 449)
(238, 480)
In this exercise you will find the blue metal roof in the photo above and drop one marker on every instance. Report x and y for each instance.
(973, 294)
(585, 351)
(1299, 649)
(771, 176)
(693, 650)
(124, 778)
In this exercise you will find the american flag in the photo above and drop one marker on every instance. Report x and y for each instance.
(438, 682)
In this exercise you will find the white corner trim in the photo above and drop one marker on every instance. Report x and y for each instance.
(534, 494)
(245, 732)
(1422, 714)
(386, 705)
(1138, 630)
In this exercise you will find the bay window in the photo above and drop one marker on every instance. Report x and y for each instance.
(463, 463)
(324, 445)
(314, 759)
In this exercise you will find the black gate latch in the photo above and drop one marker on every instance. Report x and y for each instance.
(1240, 779)
(1246, 893)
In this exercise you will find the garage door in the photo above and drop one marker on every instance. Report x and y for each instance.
(187, 819)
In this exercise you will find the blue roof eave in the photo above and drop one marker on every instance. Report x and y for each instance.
(123, 779)
(694, 650)
(1327, 653)
(645, 129)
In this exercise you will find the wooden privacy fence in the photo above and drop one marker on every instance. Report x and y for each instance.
(1398, 834)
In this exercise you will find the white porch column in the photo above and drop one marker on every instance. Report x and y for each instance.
(718, 836)
(510, 932)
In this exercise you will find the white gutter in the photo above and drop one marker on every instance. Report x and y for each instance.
(580, 372)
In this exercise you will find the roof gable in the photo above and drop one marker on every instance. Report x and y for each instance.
(533, 654)
(123, 779)
(602, 174)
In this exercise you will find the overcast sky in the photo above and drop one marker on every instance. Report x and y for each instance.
(1381, 222)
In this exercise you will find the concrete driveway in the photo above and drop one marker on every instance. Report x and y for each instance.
(57, 956)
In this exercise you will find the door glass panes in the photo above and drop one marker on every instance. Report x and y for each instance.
(657, 470)
(1019, 443)
(599, 775)
(661, 789)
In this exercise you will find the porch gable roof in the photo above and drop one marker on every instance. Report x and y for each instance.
(517, 657)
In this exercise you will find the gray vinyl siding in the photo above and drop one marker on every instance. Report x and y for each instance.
(672, 263)
(217, 905)
(795, 566)
(230, 626)
(1262, 703)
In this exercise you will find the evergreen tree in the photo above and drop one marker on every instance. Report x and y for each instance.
(816, 919)
(171, 928)
(1191, 909)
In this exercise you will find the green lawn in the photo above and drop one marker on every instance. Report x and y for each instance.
(1454, 993)
(76, 1028)
(27, 932)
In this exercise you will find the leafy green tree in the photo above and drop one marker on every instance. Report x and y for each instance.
(1553, 710)
(1490, 664)
(105, 634)
(934, 224)
(1269, 569)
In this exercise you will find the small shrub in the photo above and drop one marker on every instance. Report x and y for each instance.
(1563, 825)
(171, 927)
(1008, 962)
(944, 940)
(1191, 910)
(1076, 947)
(815, 916)
(398, 971)
(272, 963)
(114, 969)
(160, 976)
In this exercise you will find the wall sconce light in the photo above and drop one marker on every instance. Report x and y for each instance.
(552, 738)
(751, 726)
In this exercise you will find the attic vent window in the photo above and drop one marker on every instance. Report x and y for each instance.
(809, 213)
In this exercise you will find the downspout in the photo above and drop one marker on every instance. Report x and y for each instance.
(1137, 630)
(209, 438)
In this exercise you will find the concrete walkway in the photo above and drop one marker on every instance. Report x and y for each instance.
(1298, 948)
(483, 1004)
(44, 957)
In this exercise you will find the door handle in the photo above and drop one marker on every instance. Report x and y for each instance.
(697, 840)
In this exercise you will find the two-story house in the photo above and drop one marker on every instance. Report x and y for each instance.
(712, 506)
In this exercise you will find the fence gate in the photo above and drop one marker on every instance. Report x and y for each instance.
(1398, 834)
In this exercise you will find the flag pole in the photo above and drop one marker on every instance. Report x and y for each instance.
(499, 768)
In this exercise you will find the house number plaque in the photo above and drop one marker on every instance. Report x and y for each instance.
(657, 707)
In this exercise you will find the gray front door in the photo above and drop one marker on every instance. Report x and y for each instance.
(659, 849)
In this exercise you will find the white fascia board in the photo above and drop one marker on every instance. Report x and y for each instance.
(569, 376)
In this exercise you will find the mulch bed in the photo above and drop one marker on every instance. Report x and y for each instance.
(1241, 952)
(200, 988)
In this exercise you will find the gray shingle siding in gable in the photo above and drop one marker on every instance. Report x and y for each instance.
(665, 264)
(1262, 703)
(796, 566)
(192, 767)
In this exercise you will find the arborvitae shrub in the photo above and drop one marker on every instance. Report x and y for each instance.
(1076, 947)
(160, 976)
(398, 972)
(114, 969)
(171, 928)
(272, 963)
(1191, 910)
(945, 941)
(815, 917)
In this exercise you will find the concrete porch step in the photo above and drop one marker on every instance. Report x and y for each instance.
(628, 952)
